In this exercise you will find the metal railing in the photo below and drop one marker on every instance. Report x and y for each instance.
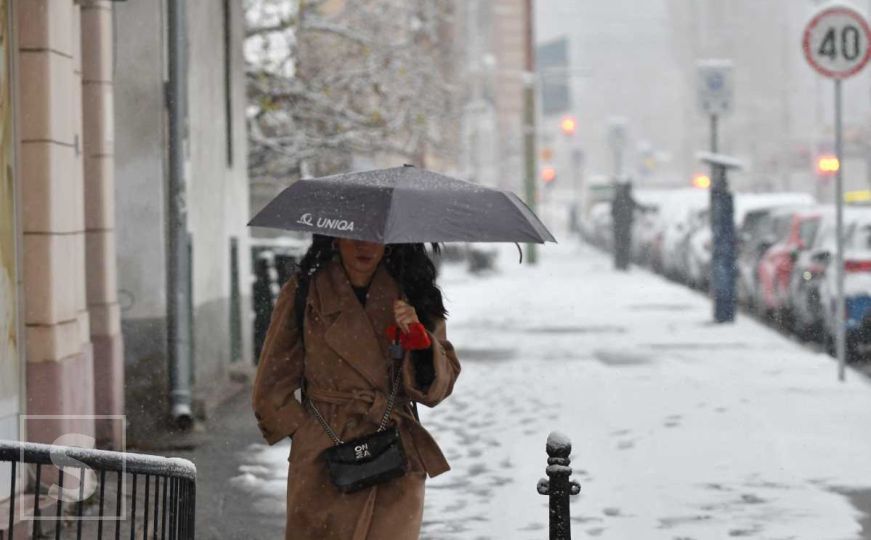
(557, 486)
(162, 493)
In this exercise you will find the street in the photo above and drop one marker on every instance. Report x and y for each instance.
(681, 428)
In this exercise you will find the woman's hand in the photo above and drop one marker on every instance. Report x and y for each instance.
(404, 314)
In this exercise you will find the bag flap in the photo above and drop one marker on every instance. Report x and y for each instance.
(363, 449)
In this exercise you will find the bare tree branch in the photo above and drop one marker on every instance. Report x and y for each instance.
(373, 79)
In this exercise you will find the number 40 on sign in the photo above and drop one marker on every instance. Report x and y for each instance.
(836, 42)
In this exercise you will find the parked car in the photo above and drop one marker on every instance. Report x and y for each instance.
(753, 221)
(804, 289)
(676, 214)
(699, 255)
(650, 226)
(697, 220)
(597, 227)
(754, 238)
(857, 279)
(793, 231)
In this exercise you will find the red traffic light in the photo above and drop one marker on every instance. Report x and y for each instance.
(548, 174)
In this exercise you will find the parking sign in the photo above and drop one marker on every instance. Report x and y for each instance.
(715, 86)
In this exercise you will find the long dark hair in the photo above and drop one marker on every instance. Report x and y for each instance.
(408, 264)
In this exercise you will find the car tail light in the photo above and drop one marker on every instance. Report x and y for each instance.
(857, 266)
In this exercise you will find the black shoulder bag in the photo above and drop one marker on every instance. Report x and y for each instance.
(368, 460)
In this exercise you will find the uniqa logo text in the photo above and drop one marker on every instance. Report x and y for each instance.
(326, 223)
(335, 224)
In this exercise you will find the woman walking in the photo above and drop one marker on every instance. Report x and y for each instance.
(330, 336)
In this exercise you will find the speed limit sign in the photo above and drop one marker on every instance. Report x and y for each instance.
(836, 42)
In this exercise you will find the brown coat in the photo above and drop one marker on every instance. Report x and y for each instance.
(346, 369)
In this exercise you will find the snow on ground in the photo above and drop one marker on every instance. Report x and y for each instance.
(681, 429)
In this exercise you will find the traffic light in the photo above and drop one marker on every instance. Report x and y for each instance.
(828, 165)
(548, 174)
(568, 125)
(701, 181)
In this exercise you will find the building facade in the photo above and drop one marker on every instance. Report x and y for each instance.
(494, 38)
(61, 345)
(84, 250)
(178, 357)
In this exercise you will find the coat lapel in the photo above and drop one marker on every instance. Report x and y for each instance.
(383, 292)
(357, 335)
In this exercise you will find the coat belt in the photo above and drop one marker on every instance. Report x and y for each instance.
(372, 404)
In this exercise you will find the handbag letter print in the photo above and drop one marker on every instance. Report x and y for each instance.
(362, 451)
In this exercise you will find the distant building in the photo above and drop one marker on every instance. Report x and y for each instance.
(494, 39)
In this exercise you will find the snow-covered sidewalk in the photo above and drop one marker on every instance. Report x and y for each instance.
(682, 429)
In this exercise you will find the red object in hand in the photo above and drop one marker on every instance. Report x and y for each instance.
(415, 339)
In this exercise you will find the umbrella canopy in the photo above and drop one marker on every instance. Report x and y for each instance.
(402, 205)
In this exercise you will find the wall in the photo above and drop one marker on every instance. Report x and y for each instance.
(508, 45)
(218, 185)
(10, 351)
(59, 354)
(99, 190)
(139, 200)
(217, 201)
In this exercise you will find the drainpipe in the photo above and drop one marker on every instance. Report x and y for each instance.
(178, 264)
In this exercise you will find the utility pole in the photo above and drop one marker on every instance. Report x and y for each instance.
(529, 121)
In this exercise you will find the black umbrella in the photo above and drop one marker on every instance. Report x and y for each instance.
(402, 205)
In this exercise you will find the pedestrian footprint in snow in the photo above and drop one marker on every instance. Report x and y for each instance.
(360, 330)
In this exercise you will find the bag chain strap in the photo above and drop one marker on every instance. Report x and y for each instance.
(391, 401)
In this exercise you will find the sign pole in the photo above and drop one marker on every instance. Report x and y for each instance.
(840, 307)
(714, 133)
(529, 124)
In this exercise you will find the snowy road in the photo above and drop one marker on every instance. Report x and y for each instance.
(681, 429)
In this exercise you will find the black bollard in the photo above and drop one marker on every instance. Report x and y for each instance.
(723, 270)
(558, 486)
